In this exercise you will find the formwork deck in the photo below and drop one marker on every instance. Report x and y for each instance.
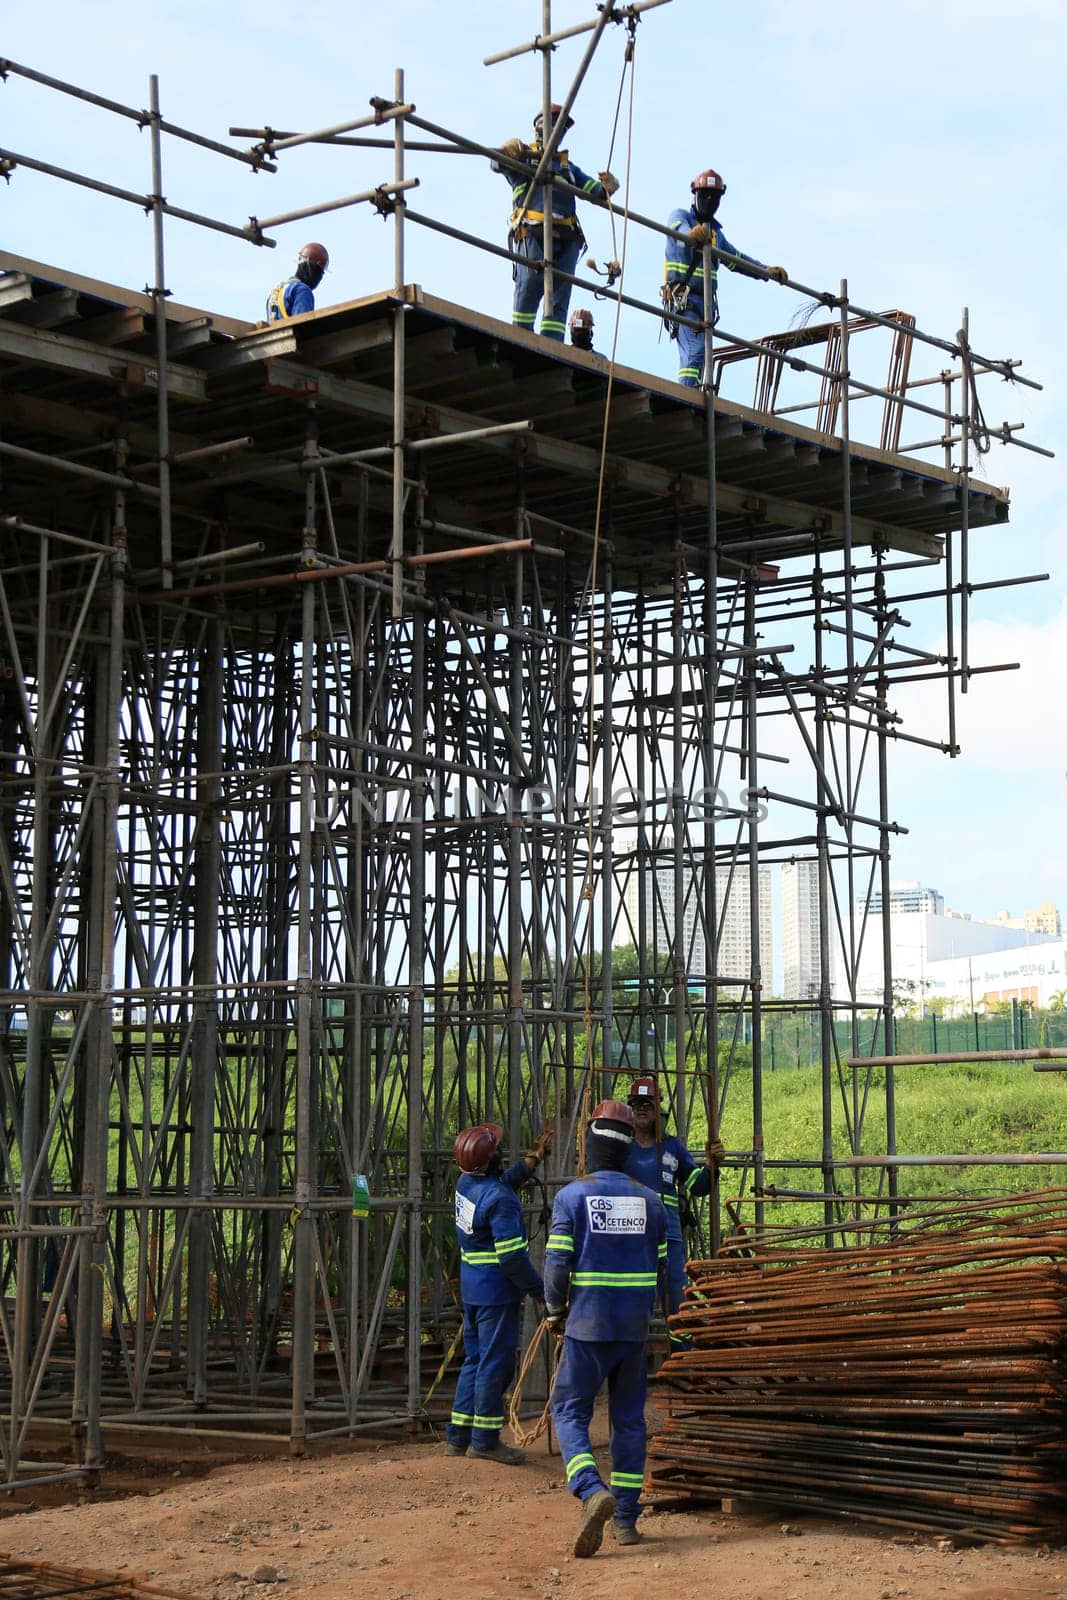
(77, 359)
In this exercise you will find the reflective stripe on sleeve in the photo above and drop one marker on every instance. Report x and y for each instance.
(507, 1247)
(560, 1241)
(479, 1258)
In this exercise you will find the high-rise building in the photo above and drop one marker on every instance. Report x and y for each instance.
(800, 929)
(907, 894)
(732, 910)
(1044, 918)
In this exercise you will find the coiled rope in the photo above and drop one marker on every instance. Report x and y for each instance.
(522, 1435)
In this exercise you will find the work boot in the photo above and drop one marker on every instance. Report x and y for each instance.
(506, 1454)
(455, 1449)
(626, 1533)
(598, 1509)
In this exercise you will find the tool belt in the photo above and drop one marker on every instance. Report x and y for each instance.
(534, 224)
(675, 298)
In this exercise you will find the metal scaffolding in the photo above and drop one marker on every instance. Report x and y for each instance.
(367, 681)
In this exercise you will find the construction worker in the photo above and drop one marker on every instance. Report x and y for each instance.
(662, 1163)
(683, 273)
(606, 1257)
(495, 1273)
(582, 329)
(526, 229)
(293, 297)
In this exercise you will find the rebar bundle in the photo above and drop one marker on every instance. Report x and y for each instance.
(919, 1380)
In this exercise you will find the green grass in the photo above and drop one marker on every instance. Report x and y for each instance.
(999, 1108)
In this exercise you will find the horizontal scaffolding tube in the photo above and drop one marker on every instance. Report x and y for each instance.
(255, 225)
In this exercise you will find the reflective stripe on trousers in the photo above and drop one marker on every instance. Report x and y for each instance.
(529, 282)
(584, 1368)
(490, 1339)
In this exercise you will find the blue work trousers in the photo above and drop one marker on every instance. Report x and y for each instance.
(490, 1339)
(691, 342)
(584, 1368)
(530, 282)
(676, 1288)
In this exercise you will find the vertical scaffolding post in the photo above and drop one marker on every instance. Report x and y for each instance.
(825, 900)
(889, 1027)
(752, 839)
(966, 420)
(303, 1221)
(416, 976)
(399, 409)
(710, 676)
(548, 133)
(159, 302)
(205, 1009)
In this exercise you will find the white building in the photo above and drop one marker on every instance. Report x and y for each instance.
(919, 940)
(732, 909)
(1029, 972)
(800, 929)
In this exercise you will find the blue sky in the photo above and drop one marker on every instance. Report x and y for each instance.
(916, 149)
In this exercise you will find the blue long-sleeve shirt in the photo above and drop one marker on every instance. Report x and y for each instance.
(669, 1173)
(289, 299)
(563, 204)
(606, 1257)
(494, 1257)
(679, 257)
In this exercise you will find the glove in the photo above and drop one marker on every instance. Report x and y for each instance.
(513, 148)
(556, 1323)
(541, 1146)
(779, 274)
(699, 234)
(608, 182)
(715, 1154)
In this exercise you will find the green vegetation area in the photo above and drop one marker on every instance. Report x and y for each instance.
(992, 1108)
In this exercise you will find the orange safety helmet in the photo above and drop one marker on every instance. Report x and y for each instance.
(612, 1111)
(645, 1089)
(709, 179)
(316, 254)
(475, 1147)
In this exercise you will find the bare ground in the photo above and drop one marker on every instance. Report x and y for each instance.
(399, 1520)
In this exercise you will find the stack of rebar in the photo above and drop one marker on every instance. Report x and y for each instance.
(918, 1379)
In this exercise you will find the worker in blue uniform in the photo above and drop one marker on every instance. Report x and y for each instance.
(495, 1274)
(605, 1261)
(295, 295)
(663, 1163)
(526, 227)
(683, 289)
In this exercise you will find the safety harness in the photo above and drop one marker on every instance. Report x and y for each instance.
(276, 308)
(524, 221)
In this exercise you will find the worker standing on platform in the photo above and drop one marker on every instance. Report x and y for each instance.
(495, 1273)
(526, 231)
(663, 1164)
(606, 1256)
(295, 295)
(683, 274)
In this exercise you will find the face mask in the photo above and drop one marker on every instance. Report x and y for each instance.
(707, 203)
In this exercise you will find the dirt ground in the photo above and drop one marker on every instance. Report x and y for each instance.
(398, 1520)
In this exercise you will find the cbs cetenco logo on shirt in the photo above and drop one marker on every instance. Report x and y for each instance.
(611, 1213)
